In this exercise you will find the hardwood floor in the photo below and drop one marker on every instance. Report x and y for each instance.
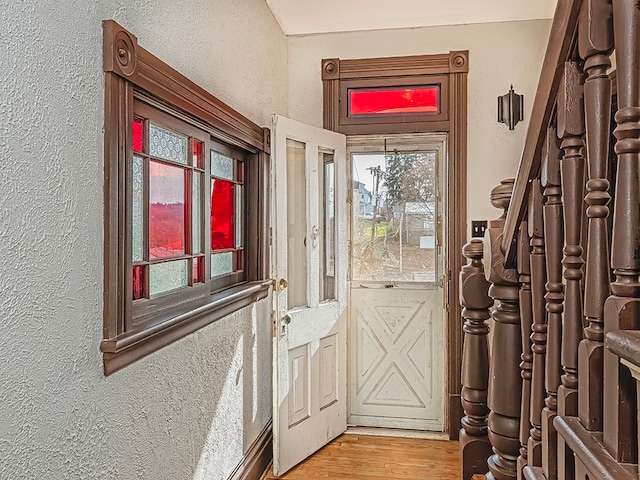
(365, 457)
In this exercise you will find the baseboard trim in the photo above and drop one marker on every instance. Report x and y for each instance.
(257, 458)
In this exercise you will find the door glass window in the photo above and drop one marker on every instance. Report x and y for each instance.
(327, 233)
(296, 224)
(395, 223)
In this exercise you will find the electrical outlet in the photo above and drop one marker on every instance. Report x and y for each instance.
(478, 227)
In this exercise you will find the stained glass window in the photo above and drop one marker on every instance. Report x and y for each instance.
(222, 217)
(387, 101)
(138, 128)
(227, 214)
(166, 219)
(170, 205)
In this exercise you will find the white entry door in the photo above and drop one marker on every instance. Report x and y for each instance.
(310, 265)
(396, 326)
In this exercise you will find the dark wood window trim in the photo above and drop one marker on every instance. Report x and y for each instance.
(132, 72)
(450, 70)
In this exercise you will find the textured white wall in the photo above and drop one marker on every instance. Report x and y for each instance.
(500, 54)
(190, 410)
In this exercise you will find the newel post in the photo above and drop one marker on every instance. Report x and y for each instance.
(505, 381)
(474, 298)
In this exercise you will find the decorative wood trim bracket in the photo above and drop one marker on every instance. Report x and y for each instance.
(459, 61)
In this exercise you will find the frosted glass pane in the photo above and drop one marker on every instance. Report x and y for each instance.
(164, 277)
(137, 229)
(221, 166)
(164, 143)
(239, 216)
(296, 224)
(196, 212)
(221, 264)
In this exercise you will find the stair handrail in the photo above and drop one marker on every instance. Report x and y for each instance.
(561, 42)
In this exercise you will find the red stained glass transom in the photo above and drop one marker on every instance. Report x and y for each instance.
(166, 211)
(138, 282)
(138, 129)
(394, 101)
(222, 214)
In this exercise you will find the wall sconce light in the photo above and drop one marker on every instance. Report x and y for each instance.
(511, 108)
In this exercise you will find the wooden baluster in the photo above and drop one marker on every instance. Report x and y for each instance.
(505, 382)
(526, 319)
(553, 239)
(595, 42)
(622, 308)
(539, 327)
(475, 300)
(571, 130)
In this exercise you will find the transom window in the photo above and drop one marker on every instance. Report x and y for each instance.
(394, 101)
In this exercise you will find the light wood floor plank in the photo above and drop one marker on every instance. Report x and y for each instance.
(366, 457)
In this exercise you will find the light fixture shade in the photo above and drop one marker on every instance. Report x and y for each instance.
(511, 108)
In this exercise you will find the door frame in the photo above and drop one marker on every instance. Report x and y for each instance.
(455, 67)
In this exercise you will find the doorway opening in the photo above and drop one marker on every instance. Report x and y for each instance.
(397, 300)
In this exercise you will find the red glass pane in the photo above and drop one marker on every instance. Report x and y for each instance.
(411, 100)
(138, 128)
(166, 211)
(138, 282)
(222, 224)
(198, 269)
(197, 154)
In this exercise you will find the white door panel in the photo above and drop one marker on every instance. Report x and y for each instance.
(396, 358)
(310, 265)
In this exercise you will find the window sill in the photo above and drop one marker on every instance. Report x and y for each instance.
(128, 347)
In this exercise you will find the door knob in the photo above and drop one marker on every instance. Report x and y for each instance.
(283, 284)
(286, 319)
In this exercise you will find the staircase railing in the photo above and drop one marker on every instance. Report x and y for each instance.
(563, 264)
